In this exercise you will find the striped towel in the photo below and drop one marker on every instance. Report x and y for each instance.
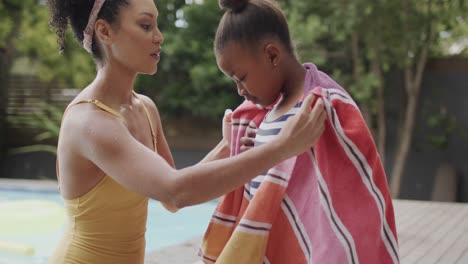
(329, 205)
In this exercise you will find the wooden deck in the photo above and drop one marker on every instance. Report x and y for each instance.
(428, 233)
(432, 232)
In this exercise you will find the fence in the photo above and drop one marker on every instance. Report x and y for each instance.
(26, 95)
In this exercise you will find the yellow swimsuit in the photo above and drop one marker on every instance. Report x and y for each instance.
(107, 224)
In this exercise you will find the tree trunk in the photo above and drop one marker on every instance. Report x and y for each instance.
(381, 120)
(357, 69)
(413, 88)
(403, 147)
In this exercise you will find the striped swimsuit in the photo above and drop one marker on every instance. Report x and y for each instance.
(267, 132)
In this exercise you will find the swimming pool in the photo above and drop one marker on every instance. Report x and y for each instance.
(34, 227)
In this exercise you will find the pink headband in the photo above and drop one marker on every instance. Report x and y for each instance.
(89, 30)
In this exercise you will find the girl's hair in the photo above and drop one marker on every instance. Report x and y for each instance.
(250, 21)
(76, 12)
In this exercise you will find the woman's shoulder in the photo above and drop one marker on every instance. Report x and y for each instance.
(146, 100)
(85, 120)
(149, 104)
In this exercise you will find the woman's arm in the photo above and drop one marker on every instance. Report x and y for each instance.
(222, 150)
(161, 142)
(110, 146)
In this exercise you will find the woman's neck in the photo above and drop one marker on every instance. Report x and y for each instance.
(114, 85)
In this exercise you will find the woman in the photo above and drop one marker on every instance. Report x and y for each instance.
(112, 153)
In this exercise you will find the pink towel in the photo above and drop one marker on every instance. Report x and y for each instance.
(328, 205)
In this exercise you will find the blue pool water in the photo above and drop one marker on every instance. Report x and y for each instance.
(43, 233)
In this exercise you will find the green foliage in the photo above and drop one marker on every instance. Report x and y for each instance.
(74, 66)
(5, 26)
(364, 89)
(46, 121)
(454, 41)
(390, 34)
(8, 10)
(188, 81)
(311, 27)
(441, 126)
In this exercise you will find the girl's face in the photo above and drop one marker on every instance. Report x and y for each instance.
(137, 42)
(253, 71)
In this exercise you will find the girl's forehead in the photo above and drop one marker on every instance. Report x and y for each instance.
(234, 49)
(227, 62)
(232, 60)
(229, 54)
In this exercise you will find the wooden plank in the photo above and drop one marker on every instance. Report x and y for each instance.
(442, 240)
(457, 251)
(433, 244)
(432, 232)
(420, 230)
(405, 213)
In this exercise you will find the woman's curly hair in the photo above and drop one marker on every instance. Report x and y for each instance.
(76, 12)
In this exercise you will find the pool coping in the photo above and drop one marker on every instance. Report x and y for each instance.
(181, 253)
(26, 184)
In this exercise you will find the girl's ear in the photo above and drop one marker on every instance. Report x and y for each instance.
(273, 54)
(103, 31)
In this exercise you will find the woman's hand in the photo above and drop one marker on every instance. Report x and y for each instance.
(303, 130)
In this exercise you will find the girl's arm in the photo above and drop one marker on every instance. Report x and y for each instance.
(223, 149)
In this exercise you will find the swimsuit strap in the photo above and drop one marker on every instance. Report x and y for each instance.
(153, 133)
(100, 105)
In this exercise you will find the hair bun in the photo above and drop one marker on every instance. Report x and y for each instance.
(233, 5)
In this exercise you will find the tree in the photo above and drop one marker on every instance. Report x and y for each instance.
(454, 42)
(73, 68)
(187, 74)
(337, 36)
(188, 81)
(28, 37)
(10, 23)
(420, 25)
(364, 40)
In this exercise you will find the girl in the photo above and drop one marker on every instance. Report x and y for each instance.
(112, 153)
(329, 205)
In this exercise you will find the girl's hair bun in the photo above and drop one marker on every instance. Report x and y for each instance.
(233, 5)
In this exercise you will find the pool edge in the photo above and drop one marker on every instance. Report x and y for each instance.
(26, 184)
